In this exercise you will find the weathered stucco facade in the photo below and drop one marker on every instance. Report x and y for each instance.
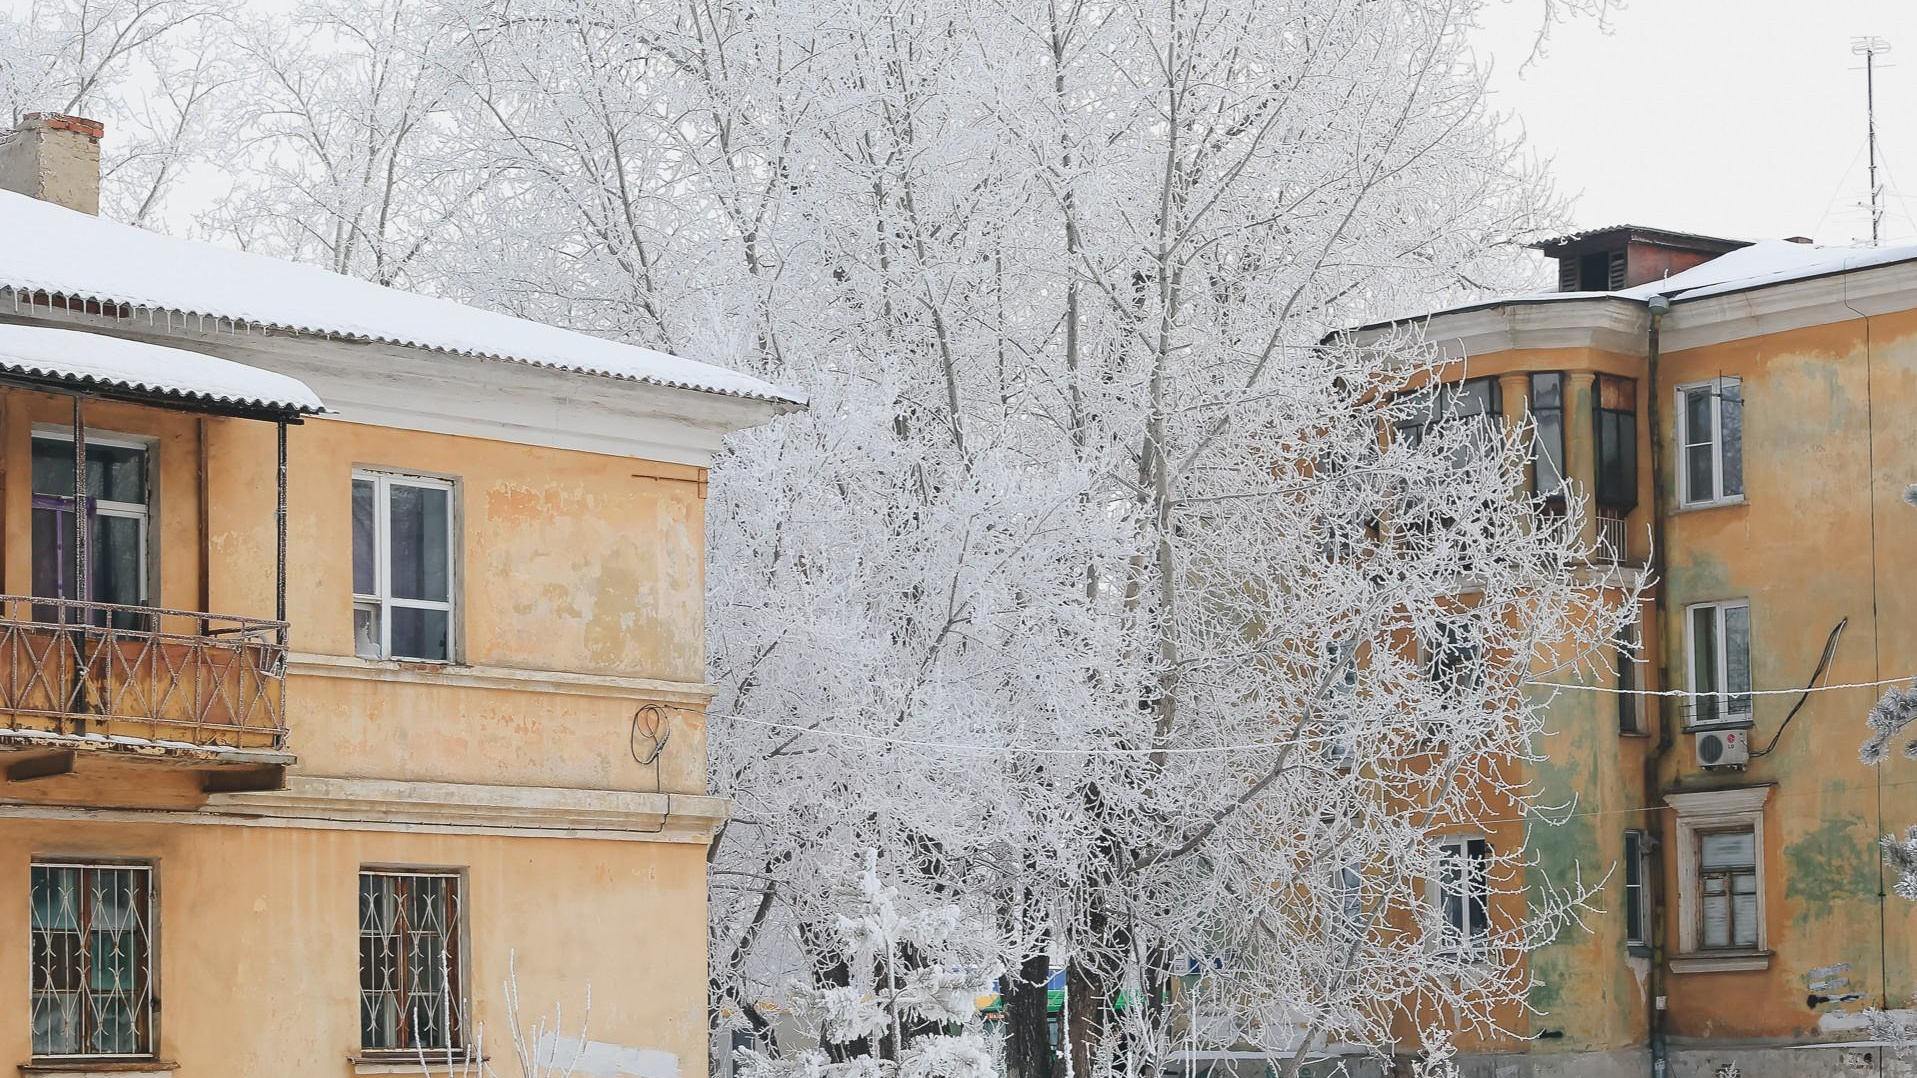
(550, 765)
(1821, 367)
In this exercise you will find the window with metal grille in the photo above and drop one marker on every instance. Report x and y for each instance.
(410, 962)
(92, 956)
(1727, 881)
(1637, 902)
(403, 567)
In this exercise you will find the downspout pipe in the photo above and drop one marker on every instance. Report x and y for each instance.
(1658, 306)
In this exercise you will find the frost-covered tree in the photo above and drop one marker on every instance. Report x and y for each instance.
(1893, 714)
(1125, 604)
(909, 971)
(152, 70)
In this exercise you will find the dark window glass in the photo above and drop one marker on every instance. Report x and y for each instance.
(1636, 908)
(1615, 418)
(1731, 436)
(419, 634)
(1547, 417)
(418, 537)
(365, 541)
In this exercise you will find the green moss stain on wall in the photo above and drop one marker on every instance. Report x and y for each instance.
(1830, 865)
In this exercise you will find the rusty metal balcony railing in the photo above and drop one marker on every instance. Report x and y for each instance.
(206, 680)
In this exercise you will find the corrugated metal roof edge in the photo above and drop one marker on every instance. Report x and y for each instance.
(1725, 289)
(18, 289)
(89, 381)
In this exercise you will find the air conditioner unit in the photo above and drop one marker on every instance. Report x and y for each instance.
(1723, 748)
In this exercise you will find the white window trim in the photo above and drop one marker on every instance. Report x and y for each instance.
(1638, 934)
(106, 508)
(1477, 951)
(1695, 814)
(1729, 720)
(381, 597)
(1684, 499)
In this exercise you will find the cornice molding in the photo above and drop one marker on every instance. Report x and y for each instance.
(1719, 802)
(343, 804)
(388, 804)
(692, 694)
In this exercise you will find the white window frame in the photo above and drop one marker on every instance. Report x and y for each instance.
(1685, 496)
(1726, 716)
(1637, 933)
(1631, 657)
(381, 599)
(104, 507)
(1695, 815)
(1444, 940)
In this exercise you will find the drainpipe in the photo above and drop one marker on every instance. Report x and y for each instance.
(1658, 306)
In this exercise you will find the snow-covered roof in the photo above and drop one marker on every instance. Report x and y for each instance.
(1764, 263)
(95, 361)
(49, 249)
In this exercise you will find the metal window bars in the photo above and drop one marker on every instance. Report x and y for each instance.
(92, 960)
(410, 961)
(74, 667)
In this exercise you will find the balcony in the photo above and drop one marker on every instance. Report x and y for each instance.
(1613, 539)
(106, 681)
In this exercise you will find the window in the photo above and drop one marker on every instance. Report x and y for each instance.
(1630, 680)
(1615, 417)
(1710, 432)
(1637, 894)
(1453, 660)
(1547, 420)
(1719, 839)
(92, 955)
(1341, 667)
(117, 508)
(1476, 400)
(402, 567)
(1464, 895)
(1348, 885)
(1598, 271)
(1727, 884)
(1720, 661)
(410, 975)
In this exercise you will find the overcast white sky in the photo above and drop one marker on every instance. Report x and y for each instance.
(1739, 118)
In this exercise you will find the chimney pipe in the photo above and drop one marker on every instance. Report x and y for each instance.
(55, 159)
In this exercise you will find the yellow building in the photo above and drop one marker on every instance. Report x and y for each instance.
(1738, 422)
(362, 671)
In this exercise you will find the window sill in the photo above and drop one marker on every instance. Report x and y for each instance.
(1692, 507)
(435, 1063)
(1721, 961)
(1637, 950)
(117, 1068)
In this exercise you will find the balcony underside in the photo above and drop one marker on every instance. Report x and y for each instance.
(30, 755)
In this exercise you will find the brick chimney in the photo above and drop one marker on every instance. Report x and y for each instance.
(55, 159)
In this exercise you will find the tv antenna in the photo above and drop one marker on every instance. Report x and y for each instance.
(1870, 47)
